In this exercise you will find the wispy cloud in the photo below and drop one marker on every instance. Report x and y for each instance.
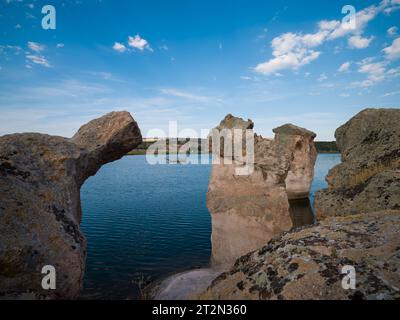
(184, 95)
(40, 60)
(322, 77)
(391, 94)
(36, 47)
(345, 67)
(375, 71)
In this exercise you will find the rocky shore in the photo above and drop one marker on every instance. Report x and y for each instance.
(358, 226)
(358, 215)
(306, 264)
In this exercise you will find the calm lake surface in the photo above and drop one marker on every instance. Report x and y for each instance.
(146, 221)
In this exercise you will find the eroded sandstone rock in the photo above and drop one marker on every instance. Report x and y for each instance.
(40, 212)
(300, 142)
(307, 263)
(368, 177)
(248, 210)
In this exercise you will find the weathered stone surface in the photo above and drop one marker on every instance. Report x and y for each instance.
(307, 263)
(299, 141)
(368, 177)
(40, 212)
(379, 192)
(248, 210)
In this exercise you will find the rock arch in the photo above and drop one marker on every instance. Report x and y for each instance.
(40, 211)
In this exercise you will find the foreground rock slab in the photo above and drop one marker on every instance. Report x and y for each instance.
(183, 286)
(40, 210)
(307, 263)
(368, 179)
(248, 210)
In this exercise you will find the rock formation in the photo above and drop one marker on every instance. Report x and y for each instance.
(359, 225)
(368, 179)
(248, 210)
(307, 264)
(40, 211)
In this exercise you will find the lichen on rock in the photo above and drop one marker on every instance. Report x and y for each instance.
(40, 210)
(368, 177)
(306, 264)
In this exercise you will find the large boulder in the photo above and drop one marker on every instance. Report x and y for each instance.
(368, 177)
(40, 210)
(248, 210)
(307, 264)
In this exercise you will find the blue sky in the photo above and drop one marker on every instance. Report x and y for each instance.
(195, 61)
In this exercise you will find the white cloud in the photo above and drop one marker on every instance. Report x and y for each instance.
(36, 47)
(245, 78)
(119, 47)
(375, 71)
(390, 6)
(328, 25)
(291, 51)
(392, 31)
(345, 67)
(294, 50)
(344, 95)
(164, 47)
(363, 17)
(60, 45)
(358, 42)
(393, 52)
(138, 43)
(38, 60)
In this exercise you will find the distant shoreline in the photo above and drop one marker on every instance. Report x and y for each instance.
(323, 147)
(143, 153)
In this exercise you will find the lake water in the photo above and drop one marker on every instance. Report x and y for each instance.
(143, 222)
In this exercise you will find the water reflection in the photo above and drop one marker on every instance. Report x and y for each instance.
(301, 212)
